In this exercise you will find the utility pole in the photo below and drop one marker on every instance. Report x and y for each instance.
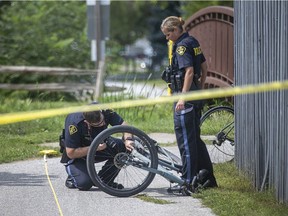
(98, 15)
(99, 74)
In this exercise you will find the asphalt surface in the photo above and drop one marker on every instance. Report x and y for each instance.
(25, 190)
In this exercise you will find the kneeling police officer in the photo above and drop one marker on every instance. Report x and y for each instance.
(80, 130)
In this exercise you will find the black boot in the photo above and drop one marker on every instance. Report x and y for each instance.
(69, 183)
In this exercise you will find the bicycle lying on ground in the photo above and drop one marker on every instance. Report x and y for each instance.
(217, 131)
(137, 168)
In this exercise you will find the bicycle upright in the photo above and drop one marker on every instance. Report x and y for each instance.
(217, 131)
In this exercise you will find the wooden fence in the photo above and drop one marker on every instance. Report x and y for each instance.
(213, 27)
(49, 71)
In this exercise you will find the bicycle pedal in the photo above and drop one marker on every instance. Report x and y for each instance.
(180, 190)
(187, 191)
(175, 190)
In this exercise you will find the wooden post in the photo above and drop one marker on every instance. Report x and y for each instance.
(100, 80)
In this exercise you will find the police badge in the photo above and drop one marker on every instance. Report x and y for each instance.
(181, 50)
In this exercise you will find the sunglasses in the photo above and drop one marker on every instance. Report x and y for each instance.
(98, 124)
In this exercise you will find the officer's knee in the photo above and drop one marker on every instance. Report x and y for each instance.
(84, 184)
(84, 187)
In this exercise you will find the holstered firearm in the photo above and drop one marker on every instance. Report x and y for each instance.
(179, 78)
(166, 74)
(174, 79)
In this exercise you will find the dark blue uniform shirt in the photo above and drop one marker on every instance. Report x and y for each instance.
(187, 53)
(77, 133)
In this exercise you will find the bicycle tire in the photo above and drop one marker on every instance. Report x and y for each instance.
(217, 132)
(133, 173)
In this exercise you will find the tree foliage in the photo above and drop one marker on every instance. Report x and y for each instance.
(44, 33)
(159, 11)
(40, 33)
(190, 7)
(128, 21)
(54, 33)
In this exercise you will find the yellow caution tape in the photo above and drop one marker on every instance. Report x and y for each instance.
(195, 95)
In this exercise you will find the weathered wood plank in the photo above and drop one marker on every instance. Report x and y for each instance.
(64, 87)
(47, 70)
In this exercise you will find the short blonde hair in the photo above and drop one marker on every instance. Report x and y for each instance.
(172, 22)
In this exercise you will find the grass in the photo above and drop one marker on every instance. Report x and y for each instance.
(147, 198)
(216, 121)
(235, 195)
(19, 141)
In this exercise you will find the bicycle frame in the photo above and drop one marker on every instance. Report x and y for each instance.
(219, 135)
(161, 170)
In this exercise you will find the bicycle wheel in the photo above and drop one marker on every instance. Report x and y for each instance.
(217, 131)
(133, 169)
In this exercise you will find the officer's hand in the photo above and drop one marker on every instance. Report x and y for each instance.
(101, 147)
(180, 105)
(129, 144)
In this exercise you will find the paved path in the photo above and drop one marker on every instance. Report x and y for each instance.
(25, 190)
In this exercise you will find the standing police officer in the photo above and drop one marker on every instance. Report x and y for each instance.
(183, 76)
(80, 130)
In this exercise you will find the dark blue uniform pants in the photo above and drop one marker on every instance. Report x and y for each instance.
(77, 168)
(192, 149)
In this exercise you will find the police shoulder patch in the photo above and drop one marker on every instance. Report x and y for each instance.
(72, 129)
(181, 50)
